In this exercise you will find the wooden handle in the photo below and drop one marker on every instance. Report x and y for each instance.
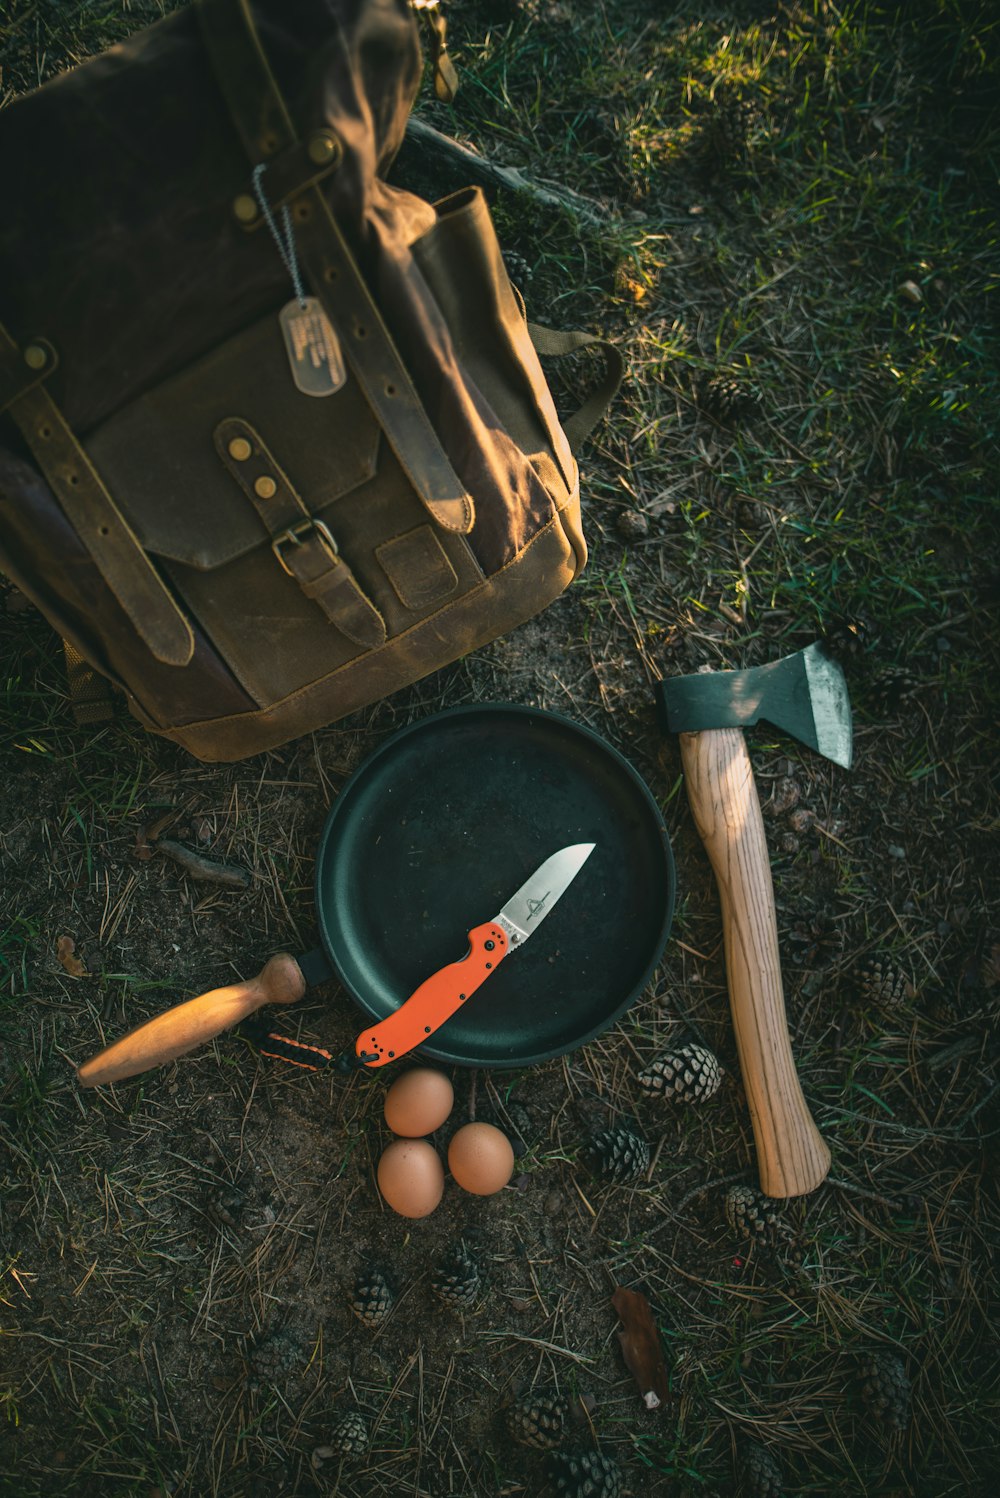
(159, 1040)
(792, 1157)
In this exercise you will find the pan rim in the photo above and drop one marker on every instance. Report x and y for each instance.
(460, 1056)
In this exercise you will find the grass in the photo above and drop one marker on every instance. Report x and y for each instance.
(793, 237)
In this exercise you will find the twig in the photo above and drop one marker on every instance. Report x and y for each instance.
(564, 1352)
(689, 1197)
(197, 866)
(487, 173)
(872, 1196)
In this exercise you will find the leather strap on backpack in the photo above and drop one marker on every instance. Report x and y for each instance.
(304, 545)
(266, 129)
(548, 341)
(87, 504)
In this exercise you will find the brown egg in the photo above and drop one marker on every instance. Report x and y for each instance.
(411, 1177)
(418, 1102)
(481, 1158)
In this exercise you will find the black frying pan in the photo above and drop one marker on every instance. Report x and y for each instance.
(429, 838)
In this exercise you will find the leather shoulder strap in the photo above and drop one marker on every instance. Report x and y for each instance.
(265, 127)
(549, 341)
(88, 505)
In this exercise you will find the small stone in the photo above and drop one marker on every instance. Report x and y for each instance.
(632, 525)
(911, 291)
(895, 851)
(553, 1204)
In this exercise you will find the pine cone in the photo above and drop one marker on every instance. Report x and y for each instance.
(276, 1359)
(753, 1216)
(691, 1074)
(755, 1219)
(723, 396)
(730, 125)
(760, 1475)
(456, 1281)
(514, 1120)
(619, 1154)
(881, 982)
(537, 1420)
(894, 686)
(848, 636)
(518, 268)
(372, 1298)
(585, 1474)
(350, 1434)
(885, 1389)
(726, 396)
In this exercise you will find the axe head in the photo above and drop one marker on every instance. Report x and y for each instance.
(805, 694)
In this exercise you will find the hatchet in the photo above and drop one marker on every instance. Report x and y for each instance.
(806, 695)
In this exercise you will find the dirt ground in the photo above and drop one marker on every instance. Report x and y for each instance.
(791, 456)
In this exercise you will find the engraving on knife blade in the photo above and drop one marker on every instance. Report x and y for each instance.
(535, 907)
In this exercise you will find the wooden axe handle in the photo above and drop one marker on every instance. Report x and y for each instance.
(792, 1157)
(180, 1029)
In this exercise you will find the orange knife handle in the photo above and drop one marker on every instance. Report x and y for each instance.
(435, 1000)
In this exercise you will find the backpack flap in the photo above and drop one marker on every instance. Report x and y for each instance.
(269, 512)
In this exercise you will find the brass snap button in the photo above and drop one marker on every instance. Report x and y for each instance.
(323, 148)
(265, 487)
(240, 449)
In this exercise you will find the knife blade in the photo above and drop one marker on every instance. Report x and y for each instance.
(439, 996)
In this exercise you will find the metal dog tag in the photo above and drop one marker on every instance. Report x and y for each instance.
(314, 353)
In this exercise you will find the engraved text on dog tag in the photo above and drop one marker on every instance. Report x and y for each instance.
(314, 352)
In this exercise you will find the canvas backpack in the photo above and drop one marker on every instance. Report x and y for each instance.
(275, 440)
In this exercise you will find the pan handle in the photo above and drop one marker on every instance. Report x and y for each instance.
(180, 1029)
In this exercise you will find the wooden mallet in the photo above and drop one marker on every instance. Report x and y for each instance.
(805, 695)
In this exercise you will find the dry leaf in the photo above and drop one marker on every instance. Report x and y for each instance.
(641, 1349)
(65, 949)
(148, 835)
